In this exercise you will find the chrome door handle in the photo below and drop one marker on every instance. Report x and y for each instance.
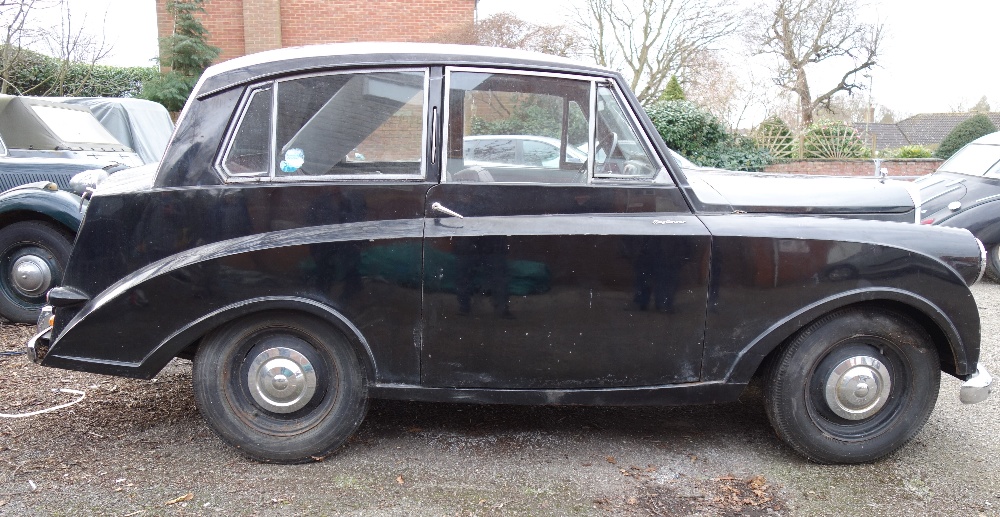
(438, 207)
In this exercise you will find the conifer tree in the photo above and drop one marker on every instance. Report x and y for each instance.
(186, 53)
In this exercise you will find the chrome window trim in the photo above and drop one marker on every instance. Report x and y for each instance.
(227, 143)
(655, 161)
(446, 121)
(270, 174)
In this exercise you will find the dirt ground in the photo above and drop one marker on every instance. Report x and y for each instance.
(141, 448)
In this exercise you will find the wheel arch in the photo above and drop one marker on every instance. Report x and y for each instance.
(184, 342)
(947, 340)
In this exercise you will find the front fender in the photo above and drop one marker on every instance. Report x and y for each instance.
(59, 205)
(981, 219)
(753, 354)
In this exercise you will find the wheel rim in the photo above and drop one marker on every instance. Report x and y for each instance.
(31, 275)
(858, 387)
(281, 380)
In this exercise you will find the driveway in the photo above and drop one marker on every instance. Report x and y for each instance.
(141, 448)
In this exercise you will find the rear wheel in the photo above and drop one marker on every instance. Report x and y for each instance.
(854, 386)
(993, 263)
(280, 387)
(33, 257)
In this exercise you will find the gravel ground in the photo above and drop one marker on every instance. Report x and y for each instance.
(141, 448)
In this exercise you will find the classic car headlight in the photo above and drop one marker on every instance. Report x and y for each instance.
(81, 181)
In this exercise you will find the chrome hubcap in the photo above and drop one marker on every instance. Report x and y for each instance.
(31, 275)
(858, 387)
(281, 380)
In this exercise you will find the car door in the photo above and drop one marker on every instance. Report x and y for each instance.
(585, 275)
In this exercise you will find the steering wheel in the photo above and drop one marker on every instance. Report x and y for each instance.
(612, 140)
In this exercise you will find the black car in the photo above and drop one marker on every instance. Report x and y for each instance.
(965, 193)
(314, 237)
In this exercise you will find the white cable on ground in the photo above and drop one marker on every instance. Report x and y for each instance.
(82, 395)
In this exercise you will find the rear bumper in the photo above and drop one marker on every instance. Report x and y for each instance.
(38, 345)
(978, 387)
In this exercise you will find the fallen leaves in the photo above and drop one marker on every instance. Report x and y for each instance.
(186, 497)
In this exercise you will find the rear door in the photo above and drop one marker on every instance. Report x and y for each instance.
(558, 274)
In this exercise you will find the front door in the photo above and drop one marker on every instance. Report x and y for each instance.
(567, 268)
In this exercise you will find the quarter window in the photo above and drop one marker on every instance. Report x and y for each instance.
(250, 151)
(620, 152)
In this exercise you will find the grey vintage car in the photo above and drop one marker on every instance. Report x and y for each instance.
(43, 145)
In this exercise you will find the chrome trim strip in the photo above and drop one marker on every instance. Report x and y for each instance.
(982, 262)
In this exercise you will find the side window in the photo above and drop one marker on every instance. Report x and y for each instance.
(351, 124)
(509, 128)
(250, 151)
(620, 152)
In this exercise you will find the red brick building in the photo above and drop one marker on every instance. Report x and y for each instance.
(240, 27)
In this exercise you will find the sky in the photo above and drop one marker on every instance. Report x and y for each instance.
(936, 57)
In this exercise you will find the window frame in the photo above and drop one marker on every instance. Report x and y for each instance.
(271, 176)
(446, 120)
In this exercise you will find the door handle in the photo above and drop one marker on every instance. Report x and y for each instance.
(438, 207)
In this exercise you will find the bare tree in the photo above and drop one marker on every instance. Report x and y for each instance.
(508, 31)
(805, 32)
(14, 14)
(66, 41)
(650, 40)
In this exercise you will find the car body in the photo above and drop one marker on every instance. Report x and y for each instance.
(964, 192)
(43, 146)
(315, 236)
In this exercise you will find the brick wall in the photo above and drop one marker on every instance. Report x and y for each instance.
(896, 167)
(240, 27)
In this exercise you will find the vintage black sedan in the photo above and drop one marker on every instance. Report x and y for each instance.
(316, 236)
(965, 193)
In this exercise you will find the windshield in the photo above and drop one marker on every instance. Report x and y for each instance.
(973, 159)
(74, 126)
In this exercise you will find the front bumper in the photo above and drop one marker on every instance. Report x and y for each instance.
(977, 388)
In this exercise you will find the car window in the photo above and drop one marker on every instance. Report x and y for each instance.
(3, 148)
(351, 124)
(973, 159)
(74, 125)
(512, 128)
(250, 149)
(620, 152)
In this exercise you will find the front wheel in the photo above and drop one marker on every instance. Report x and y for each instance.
(854, 386)
(280, 387)
(993, 263)
(33, 257)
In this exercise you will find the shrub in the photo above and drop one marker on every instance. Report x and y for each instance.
(967, 131)
(38, 74)
(774, 135)
(700, 137)
(908, 151)
(186, 52)
(833, 140)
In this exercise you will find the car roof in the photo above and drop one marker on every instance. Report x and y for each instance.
(263, 65)
(990, 139)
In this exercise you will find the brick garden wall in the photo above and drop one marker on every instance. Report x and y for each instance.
(240, 27)
(900, 167)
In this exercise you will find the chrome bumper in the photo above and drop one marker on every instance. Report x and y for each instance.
(977, 388)
(38, 345)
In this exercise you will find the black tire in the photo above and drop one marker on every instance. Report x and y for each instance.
(840, 426)
(40, 250)
(993, 263)
(320, 424)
